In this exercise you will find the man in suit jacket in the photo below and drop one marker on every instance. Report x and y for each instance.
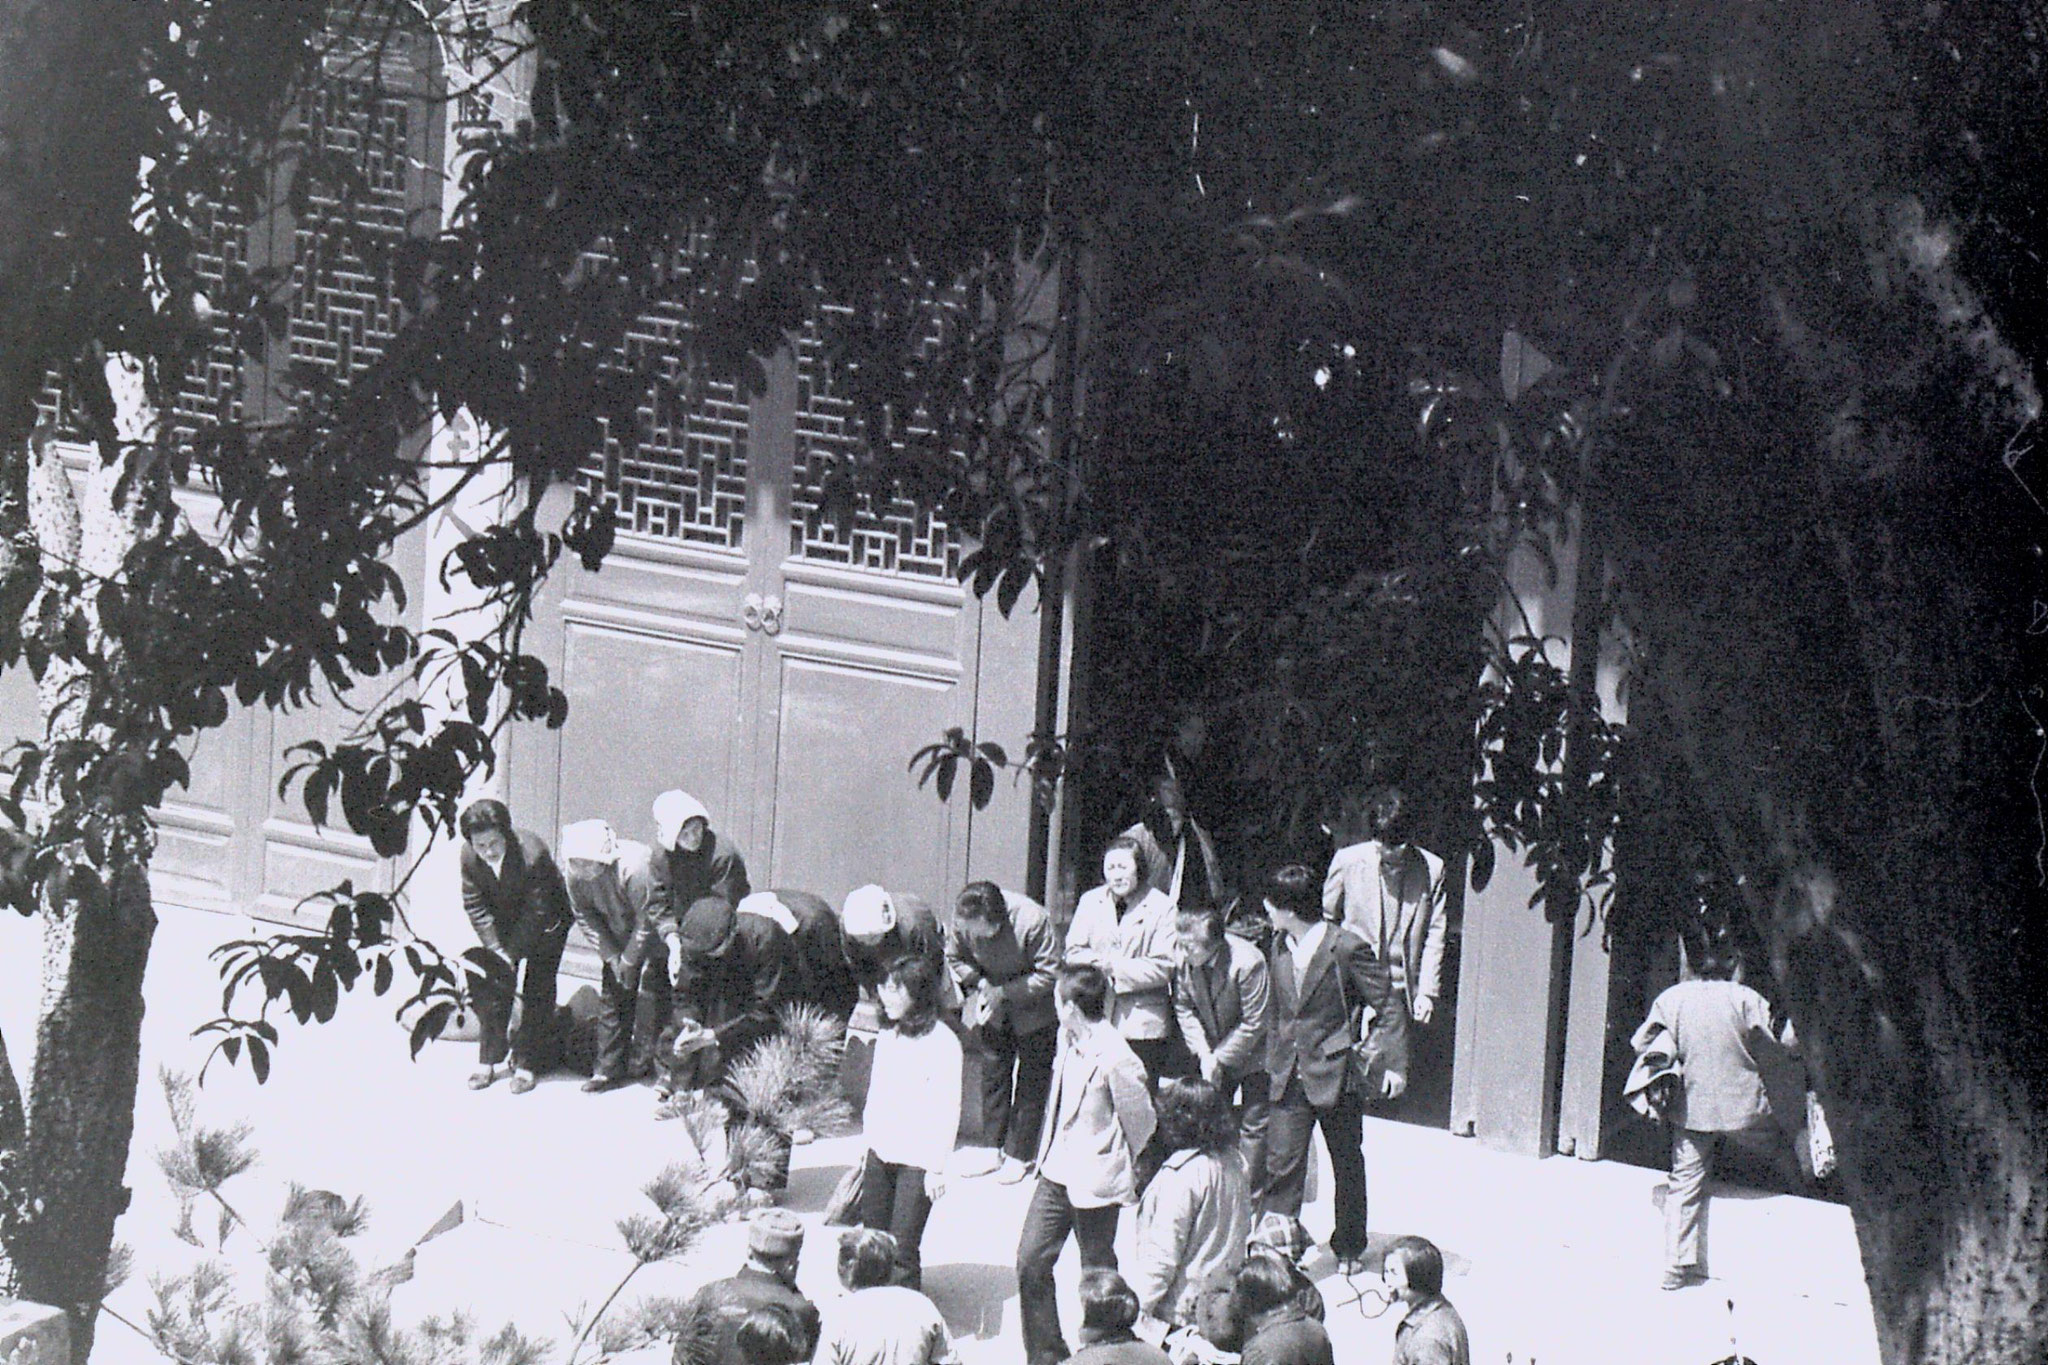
(515, 899)
(1391, 893)
(1180, 859)
(1334, 1027)
(613, 890)
(1220, 995)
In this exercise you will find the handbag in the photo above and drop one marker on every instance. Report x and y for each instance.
(1362, 1063)
(843, 1208)
(1820, 1143)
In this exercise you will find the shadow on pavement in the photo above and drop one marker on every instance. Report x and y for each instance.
(971, 1297)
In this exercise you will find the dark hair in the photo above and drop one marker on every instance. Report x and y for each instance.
(1296, 890)
(769, 1336)
(1125, 844)
(867, 1257)
(1194, 1113)
(1263, 1283)
(918, 978)
(1211, 915)
(1717, 963)
(982, 901)
(1424, 1263)
(479, 816)
(1086, 988)
(1108, 1303)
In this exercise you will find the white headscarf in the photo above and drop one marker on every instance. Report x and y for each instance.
(590, 840)
(673, 810)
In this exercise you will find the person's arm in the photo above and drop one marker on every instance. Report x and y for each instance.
(1090, 916)
(1148, 965)
(771, 978)
(1244, 1043)
(1132, 1101)
(477, 905)
(1333, 886)
(1429, 980)
(1166, 1216)
(582, 901)
(1190, 1020)
(1041, 943)
(728, 876)
(1385, 1040)
(665, 914)
(966, 975)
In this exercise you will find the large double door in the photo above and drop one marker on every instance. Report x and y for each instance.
(782, 669)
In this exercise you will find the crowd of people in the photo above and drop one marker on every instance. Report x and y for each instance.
(1170, 1053)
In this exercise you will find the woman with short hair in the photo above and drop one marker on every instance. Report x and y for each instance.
(912, 1114)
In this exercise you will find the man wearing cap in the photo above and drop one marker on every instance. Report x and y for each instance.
(813, 928)
(691, 861)
(882, 926)
(515, 899)
(734, 973)
(612, 889)
(767, 1280)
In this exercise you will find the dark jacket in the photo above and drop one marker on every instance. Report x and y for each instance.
(1432, 1334)
(727, 1303)
(738, 989)
(618, 905)
(1122, 1349)
(826, 980)
(1021, 959)
(1312, 1024)
(917, 932)
(523, 905)
(1286, 1336)
(682, 879)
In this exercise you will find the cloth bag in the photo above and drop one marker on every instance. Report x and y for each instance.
(843, 1208)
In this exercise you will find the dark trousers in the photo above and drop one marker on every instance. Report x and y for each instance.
(1289, 1136)
(1250, 1093)
(892, 1200)
(531, 1047)
(1163, 1058)
(1047, 1221)
(619, 989)
(1014, 1084)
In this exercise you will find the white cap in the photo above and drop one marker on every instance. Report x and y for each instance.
(869, 911)
(673, 810)
(591, 840)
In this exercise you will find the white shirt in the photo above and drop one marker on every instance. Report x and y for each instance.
(912, 1116)
(884, 1325)
(1302, 947)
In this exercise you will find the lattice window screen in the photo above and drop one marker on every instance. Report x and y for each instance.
(899, 538)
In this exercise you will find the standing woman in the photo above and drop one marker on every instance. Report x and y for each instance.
(1125, 928)
(913, 1111)
(518, 904)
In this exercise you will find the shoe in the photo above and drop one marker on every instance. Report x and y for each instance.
(523, 1081)
(1013, 1171)
(597, 1085)
(1679, 1277)
(488, 1076)
(975, 1162)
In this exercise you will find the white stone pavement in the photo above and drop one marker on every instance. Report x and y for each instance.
(1553, 1261)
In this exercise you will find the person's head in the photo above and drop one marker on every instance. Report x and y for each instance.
(1282, 1236)
(867, 1257)
(774, 1241)
(681, 822)
(1195, 1114)
(1264, 1283)
(1123, 867)
(587, 847)
(1388, 814)
(1198, 933)
(1717, 963)
(487, 827)
(909, 993)
(1190, 729)
(1081, 996)
(1109, 1306)
(1167, 792)
(1414, 1269)
(770, 1336)
(982, 909)
(1294, 898)
(706, 929)
(868, 915)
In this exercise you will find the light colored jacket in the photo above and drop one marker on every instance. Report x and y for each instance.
(1721, 1034)
(1192, 1225)
(1221, 1006)
(618, 904)
(1403, 922)
(1098, 1118)
(1137, 954)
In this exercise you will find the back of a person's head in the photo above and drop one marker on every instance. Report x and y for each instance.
(867, 1258)
(1296, 889)
(770, 1336)
(982, 902)
(1108, 1303)
(1086, 988)
(1194, 1114)
(1264, 1282)
(1717, 963)
(1423, 1262)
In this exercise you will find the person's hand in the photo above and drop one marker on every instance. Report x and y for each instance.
(1212, 1070)
(1423, 1008)
(1392, 1084)
(934, 1186)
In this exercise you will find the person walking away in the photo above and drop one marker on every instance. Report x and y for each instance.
(1197, 1211)
(1720, 1036)
(1430, 1331)
(1125, 928)
(912, 1116)
(613, 891)
(1003, 952)
(518, 904)
(1336, 1035)
(1109, 1315)
(768, 1280)
(879, 1323)
(1097, 1120)
(1220, 991)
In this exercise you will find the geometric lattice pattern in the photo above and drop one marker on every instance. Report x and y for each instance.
(899, 538)
(212, 391)
(687, 477)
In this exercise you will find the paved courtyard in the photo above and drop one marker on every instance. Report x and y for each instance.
(1552, 1261)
